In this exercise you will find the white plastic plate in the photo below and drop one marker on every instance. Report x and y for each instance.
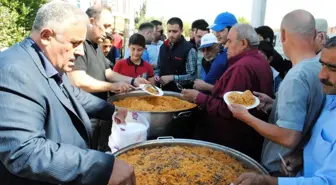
(226, 99)
(144, 86)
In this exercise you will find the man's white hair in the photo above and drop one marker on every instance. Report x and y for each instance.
(246, 31)
(58, 15)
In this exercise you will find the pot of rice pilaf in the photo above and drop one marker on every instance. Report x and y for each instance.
(168, 115)
(186, 162)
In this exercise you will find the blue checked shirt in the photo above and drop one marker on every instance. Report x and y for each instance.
(191, 69)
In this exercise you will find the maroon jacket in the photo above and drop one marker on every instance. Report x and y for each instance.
(247, 71)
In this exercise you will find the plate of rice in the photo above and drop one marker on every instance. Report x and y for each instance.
(245, 98)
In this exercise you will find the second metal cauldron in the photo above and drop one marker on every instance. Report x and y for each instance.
(173, 123)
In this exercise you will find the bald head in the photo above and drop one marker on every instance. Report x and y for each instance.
(299, 22)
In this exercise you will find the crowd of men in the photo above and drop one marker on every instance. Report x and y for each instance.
(55, 119)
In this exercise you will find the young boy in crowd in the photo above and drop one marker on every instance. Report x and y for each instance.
(134, 66)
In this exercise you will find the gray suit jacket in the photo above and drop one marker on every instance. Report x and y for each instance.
(45, 136)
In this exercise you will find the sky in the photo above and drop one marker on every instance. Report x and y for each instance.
(190, 10)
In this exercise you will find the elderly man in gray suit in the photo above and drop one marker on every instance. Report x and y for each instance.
(44, 121)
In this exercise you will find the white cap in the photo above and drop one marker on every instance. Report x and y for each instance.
(321, 25)
(208, 40)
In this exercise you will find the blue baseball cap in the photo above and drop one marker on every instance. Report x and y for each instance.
(223, 20)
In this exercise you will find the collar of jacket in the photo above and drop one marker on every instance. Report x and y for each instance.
(167, 43)
(247, 52)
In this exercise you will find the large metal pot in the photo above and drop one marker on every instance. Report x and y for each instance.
(174, 123)
(244, 159)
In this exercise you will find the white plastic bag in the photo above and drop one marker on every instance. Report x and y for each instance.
(134, 131)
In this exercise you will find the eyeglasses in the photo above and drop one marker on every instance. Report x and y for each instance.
(330, 67)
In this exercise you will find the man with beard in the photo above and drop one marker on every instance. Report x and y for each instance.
(210, 49)
(201, 28)
(177, 59)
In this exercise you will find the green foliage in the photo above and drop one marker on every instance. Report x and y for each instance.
(141, 14)
(17, 17)
(9, 31)
(243, 20)
(140, 17)
(186, 29)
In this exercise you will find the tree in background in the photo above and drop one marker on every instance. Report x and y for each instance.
(17, 17)
(10, 32)
(141, 14)
(140, 17)
(243, 20)
(186, 28)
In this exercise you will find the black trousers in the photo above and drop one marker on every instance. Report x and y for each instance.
(101, 131)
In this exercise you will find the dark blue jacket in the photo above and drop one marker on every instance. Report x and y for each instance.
(173, 61)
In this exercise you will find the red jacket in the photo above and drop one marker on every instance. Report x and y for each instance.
(247, 71)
